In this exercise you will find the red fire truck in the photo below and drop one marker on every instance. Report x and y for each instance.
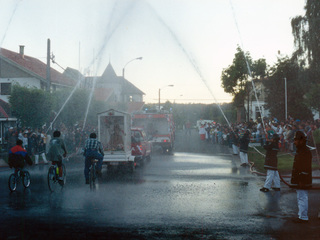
(159, 128)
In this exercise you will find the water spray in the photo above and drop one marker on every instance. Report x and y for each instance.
(10, 20)
(192, 62)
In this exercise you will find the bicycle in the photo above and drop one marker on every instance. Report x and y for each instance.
(53, 177)
(93, 174)
(15, 178)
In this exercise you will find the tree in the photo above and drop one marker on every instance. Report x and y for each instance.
(30, 105)
(306, 32)
(275, 89)
(75, 109)
(236, 77)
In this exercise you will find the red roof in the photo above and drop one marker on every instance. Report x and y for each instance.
(36, 66)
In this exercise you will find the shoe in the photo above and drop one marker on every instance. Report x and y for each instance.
(243, 165)
(276, 189)
(87, 181)
(61, 182)
(264, 189)
(299, 220)
(60, 178)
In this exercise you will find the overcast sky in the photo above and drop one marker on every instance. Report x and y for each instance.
(186, 43)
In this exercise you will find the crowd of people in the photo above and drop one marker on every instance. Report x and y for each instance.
(261, 131)
(292, 135)
(36, 140)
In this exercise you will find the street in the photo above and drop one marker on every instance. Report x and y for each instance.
(200, 194)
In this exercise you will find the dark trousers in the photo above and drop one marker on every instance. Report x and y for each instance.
(92, 154)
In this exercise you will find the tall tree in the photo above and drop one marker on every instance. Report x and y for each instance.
(275, 89)
(306, 32)
(30, 105)
(236, 77)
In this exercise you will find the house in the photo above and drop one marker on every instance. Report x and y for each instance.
(252, 105)
(116, 90)
(18, 68)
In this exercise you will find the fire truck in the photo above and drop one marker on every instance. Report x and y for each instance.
(159, 128)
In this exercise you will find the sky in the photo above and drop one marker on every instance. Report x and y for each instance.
(184, 43)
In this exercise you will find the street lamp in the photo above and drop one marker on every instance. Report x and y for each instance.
(159, 92)
(139, 58)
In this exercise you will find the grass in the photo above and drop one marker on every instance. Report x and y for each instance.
(285, 160)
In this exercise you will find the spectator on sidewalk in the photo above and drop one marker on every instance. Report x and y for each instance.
(244, 144)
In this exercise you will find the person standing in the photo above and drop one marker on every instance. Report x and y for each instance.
(39, 148)
(244, 144)
(271, 164)
(301, 177)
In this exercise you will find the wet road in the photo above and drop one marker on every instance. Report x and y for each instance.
(180, 196)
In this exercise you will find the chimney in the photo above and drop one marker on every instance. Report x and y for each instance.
(21, 51)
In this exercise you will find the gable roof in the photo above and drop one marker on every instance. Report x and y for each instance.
(110, 76)
(35, 67)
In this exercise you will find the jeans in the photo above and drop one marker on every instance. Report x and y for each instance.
(302, 197)
(272, 176)
(92, 154)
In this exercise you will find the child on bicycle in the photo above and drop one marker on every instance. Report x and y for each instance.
(18, 156)
(57, 150)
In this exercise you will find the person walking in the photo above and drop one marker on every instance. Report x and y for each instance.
(301, 177)
(271, 164)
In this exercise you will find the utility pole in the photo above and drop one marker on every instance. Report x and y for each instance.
(48, 86)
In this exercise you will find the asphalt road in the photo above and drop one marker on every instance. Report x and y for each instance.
(200, 192)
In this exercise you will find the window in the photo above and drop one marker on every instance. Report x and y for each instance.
(5, 88)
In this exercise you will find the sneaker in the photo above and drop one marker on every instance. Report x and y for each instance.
(276, 189)
(60, 178)
(243, 165)
(299, 220)
(264, 189)
(87, 181)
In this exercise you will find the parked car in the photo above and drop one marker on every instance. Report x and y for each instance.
(141, 147)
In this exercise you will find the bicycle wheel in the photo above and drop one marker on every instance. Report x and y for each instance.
(64, 175)
(12, 182)
(26, 179)
(92, 177)
(52, 178)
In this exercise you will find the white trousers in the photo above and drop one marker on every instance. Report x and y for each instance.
(244, 157)
(302, 197)
(36, 158)
(235, 149)
(272, 176)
